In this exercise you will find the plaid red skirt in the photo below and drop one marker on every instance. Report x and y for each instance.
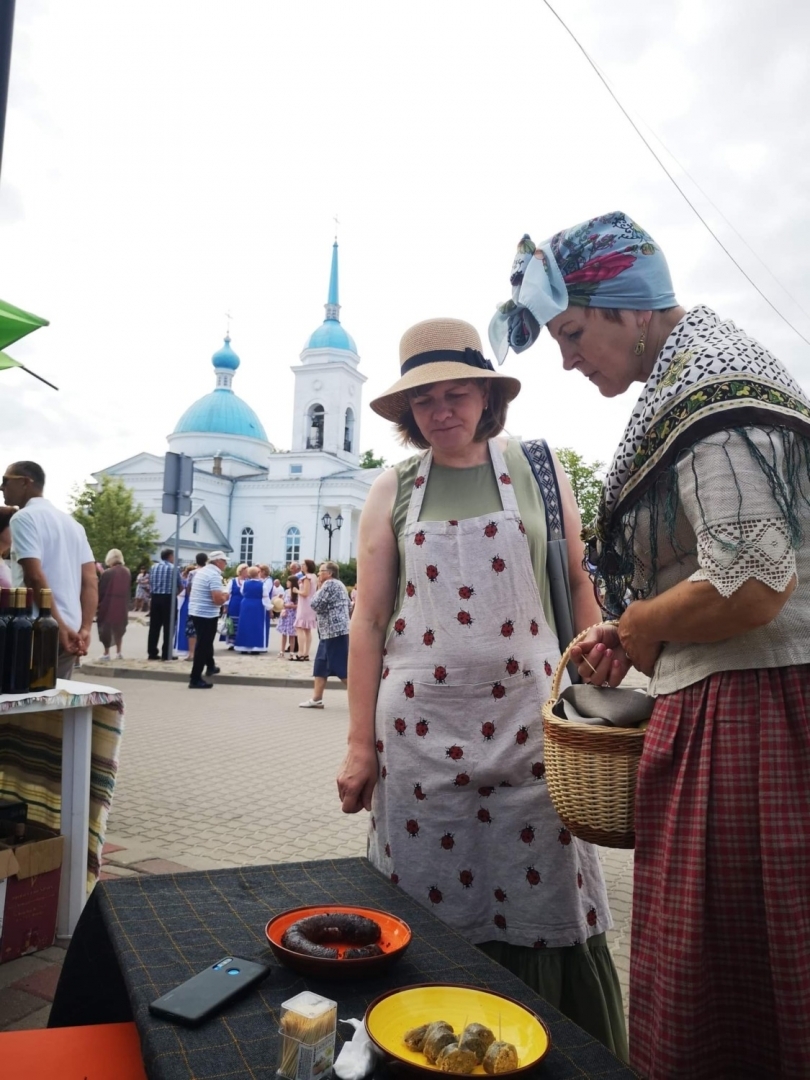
(720, 965)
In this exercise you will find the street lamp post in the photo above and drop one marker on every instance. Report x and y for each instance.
(326, 521)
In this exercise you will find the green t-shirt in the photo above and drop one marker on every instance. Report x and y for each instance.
(466, 493)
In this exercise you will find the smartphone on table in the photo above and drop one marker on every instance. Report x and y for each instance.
(210, 990)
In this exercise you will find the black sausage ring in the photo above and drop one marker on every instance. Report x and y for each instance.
(311, 935)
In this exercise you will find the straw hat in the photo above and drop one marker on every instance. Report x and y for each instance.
(433, 351)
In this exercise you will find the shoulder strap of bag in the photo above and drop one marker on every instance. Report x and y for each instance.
(542, 464)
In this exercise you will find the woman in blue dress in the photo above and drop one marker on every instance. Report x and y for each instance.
(251, 631)
(181, 645)
(235, 603)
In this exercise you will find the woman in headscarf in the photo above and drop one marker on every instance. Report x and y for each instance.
(251, 634)
(702, 553)
(452, 649)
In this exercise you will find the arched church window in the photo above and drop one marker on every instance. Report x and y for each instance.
(292, 546)
(246, 547)
(348, 432)
(315, 420)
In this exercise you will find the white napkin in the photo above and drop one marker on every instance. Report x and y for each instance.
(359, 1056)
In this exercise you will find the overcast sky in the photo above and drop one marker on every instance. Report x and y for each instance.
(166, 162)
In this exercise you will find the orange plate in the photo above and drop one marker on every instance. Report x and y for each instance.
(396, 936)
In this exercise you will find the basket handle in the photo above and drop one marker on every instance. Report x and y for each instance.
(566, 656)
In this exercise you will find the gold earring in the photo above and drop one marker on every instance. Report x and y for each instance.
(640, 344)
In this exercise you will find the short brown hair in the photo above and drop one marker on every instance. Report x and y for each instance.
(309, 566)
(492, 422)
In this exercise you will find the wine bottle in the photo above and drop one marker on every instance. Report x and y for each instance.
(6, 615)
(45, 651)
(20, 630)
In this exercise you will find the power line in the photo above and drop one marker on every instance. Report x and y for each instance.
(683, 194)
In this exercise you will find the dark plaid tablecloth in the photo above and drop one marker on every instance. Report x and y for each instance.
(139, 937)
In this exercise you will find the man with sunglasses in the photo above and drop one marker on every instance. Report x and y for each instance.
(51, 551)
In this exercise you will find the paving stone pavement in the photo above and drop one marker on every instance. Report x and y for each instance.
(238, 775)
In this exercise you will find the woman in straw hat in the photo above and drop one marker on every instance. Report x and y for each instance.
(451, 653)
(704, 525)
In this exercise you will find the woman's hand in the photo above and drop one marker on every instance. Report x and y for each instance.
(600, 658)
(356, 779)
(636, 642)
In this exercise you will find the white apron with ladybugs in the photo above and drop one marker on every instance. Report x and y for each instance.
(461, 818)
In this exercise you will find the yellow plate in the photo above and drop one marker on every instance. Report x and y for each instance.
(390, 1016)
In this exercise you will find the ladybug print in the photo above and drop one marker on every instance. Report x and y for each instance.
(564, 836)
(461, 780)
(505, 478)
(488, 730)
(395, 879)
(418, 793)
(579, 879)
(399, 627)
(466, 877)
(410, 589)
(455, 753)
(388, 850)
(507, 628)
(452, 521)
(547, 668)
(432, 572)
(384, 772)
(512, 666)
(422, 727)
(500, 921)
(412, 827)
(419, 481)
(428, 638)
(466, 591)
(485, 792)
(498, 691)
(527, 834)
(490, 530)
(533, 876)
(501, 896)
(538, 769)
(400, 725)
(521, 528)
(420, 538)
(380, 746)
(498, 565)
(465, 618)
(434, 895)
(408, 689)
(540, 943)
(447, 842)
(484, 816)
(534, 628)
(591, 916)
(440, 674)
(385, 673)
(522, 736)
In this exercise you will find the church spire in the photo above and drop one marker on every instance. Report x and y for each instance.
(332, 304)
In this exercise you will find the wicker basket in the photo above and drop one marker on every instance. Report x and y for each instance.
(591, 772)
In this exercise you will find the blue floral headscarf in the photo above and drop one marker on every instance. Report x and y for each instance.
(607, 262)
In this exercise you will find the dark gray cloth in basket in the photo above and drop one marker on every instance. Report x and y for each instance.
(604, 705)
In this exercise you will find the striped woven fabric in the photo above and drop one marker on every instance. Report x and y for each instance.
(31, 763)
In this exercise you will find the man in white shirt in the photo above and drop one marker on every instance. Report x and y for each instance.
(51, 551)
(208, 594)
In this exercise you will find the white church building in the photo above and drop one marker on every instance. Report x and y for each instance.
(250, 500)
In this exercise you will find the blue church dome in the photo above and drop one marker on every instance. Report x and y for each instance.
(330, 334)
(221, 412)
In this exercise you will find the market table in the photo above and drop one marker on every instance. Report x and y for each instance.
(59, 754)
(139, 937)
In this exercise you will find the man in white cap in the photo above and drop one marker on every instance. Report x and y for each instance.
(208, 594)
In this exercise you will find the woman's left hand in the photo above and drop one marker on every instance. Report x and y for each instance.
(641, 650)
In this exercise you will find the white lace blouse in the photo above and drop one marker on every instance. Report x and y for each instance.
(729, 527)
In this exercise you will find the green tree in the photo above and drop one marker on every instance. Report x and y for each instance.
(112, 519)
(368, 461)
(586, 481)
